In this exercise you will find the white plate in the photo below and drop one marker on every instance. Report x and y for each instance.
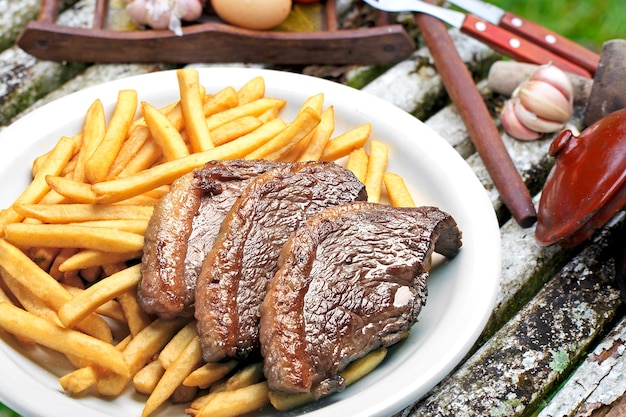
(461, 292)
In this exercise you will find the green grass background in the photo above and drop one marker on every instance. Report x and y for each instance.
(588, 22)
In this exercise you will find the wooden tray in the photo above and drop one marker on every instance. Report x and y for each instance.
(214, 41)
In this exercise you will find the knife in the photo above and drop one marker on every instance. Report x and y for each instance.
(540, 35)
(497, 38)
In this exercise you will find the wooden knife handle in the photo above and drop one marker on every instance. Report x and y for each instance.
(517, 47)
(551, 41)
(473, 110)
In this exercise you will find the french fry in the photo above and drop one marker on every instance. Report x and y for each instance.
(110, 309)
(234, 129)
(139, 351)
(252, 90)
(94, 129)
(269, 114)
(75, 191)
(147, 156)
(357, 163)
(137, 226)
(46, 288)
(254, 108)
(189, 359)
(97, 294)
(19, 322)
(137, 138)
(98, 165)
(172, 350)
(150, 340)
(136, 318)
(397, 191)
(209, 373)
(342, 145)
(79, 380)
(63, 254)
(74, 213)
(320, 137)
(72, 236)
(183, 394)
(164, 133)
(27, 299)
(248, 375)
(356, 370)
(233, 403)
(298, 129)
(379, 154)
(147, 378)
(91, 274)
(192, 106)
(39, 282)
(52, 197)
(58, 157)
(223, 100)
(314, 102)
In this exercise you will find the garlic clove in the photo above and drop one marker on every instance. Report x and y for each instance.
(555, 77)
(545, 100)
(136, 9)
(513, 126)
(164, 14)
(189, 10)
(534, 122)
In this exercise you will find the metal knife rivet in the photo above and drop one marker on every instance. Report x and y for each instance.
(515, 43)
(551, 39)
(516, 21)
(481, 26)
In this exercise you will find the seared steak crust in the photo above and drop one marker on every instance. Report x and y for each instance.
(351, 279)
(232, 282)
(182, 230)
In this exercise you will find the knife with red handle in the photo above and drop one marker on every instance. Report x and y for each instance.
(516, 47)
(538, 34)
(499, 39)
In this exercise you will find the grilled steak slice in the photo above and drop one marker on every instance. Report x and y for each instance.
(232, 282)
(352, 279)
(182, 230)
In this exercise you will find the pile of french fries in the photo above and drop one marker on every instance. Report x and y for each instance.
(72, 242)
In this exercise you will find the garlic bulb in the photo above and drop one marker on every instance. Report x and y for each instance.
(541, 104)
(164, 14)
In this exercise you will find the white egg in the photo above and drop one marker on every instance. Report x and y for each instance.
(252, 14)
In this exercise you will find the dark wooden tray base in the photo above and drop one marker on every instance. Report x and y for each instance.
(212, 42)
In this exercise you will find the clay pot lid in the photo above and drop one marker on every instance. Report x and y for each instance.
(587, 185)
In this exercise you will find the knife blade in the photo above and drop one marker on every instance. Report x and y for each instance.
(527, 29)
(497, 38)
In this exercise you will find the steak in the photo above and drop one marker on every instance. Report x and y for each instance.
(232, 281)
(182, 230)
(350, 280)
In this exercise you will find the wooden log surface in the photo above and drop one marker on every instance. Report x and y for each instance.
(598, 385)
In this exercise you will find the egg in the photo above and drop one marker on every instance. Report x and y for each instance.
(252, 14)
